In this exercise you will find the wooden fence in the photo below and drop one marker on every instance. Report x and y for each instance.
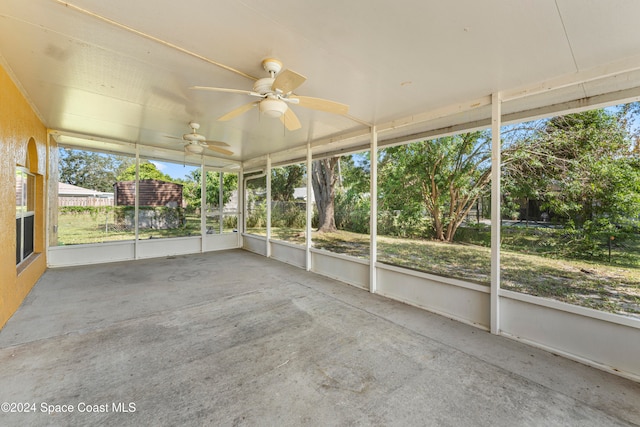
(85, 201)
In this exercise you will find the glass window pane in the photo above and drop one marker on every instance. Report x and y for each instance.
(25, 214)
(18, 240)
(21, 182)
(30, 193)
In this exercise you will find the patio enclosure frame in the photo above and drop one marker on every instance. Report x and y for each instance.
(606, 341)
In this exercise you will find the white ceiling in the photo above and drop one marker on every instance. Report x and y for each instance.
(120, 70)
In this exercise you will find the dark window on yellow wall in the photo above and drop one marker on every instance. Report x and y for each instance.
(25, 212)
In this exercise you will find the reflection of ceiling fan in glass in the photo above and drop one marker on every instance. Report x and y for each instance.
(196, 143)
(276, 92)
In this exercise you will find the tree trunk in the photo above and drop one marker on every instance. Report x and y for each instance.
(323, 179)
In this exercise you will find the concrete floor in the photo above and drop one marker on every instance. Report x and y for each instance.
(232, 338)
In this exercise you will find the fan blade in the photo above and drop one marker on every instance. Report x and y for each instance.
(290, 120)
(287, 81)
(235, 113)
(174, 137)
(322, 104)
(220, 150)
(218, 143)
(224, 89)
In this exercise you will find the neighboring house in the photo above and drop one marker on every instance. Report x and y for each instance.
(72, 195)
(300, 193)
(151, 193)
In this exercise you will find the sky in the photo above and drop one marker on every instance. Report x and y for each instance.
(174, 170)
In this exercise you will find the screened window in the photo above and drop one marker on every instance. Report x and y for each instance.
(221, 202)
(256, 205)
(25, 213)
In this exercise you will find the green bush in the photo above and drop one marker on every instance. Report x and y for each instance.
(352, 212)
(230, 222)
(288, 214)
(589, 243)
(257, 217)
(403, 224)
(475, 234)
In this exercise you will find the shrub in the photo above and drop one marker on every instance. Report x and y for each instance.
(288, 214)
(352, 212)
(403, 224)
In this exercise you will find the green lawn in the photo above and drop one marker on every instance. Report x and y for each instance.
(83, 228)
(599, 285)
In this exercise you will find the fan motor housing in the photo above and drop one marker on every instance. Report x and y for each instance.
(263, 86)
(193, 137)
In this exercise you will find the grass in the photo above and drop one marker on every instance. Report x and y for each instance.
(598, 285)
(75, 228)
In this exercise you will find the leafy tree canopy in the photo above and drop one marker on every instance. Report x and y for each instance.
(444, 176)
(147, 170)
(284, 181)
(192, 188)
(91, 170)
(580, 166)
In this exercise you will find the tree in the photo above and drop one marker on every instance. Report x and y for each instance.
(580, 166)
(355, 170)
(192, 185)
(91, 170)
(146, 170)
(352, 199)
(445, 176)
(323, 178)
(284, 181)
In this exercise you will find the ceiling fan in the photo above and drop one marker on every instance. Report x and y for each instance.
(196, 143)
(276, 92)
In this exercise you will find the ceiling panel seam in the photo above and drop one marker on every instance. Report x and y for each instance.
(155, 39)
(566, 35)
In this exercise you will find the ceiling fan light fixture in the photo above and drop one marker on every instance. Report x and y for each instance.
(194, 148)
(273, 107)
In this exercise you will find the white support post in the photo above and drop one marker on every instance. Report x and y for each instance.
(309, 207)
(268, 178)
(136, 202)
(495, 211)
(203, 205)
(47, 196)
(373, 220)
(242, 226)
(221, 199)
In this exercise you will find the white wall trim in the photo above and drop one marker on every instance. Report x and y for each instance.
(340, 256)
(435, 278)
(572, 308)
(573, 357)
(285, 243)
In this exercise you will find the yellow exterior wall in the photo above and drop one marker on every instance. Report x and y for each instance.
(21, 133)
